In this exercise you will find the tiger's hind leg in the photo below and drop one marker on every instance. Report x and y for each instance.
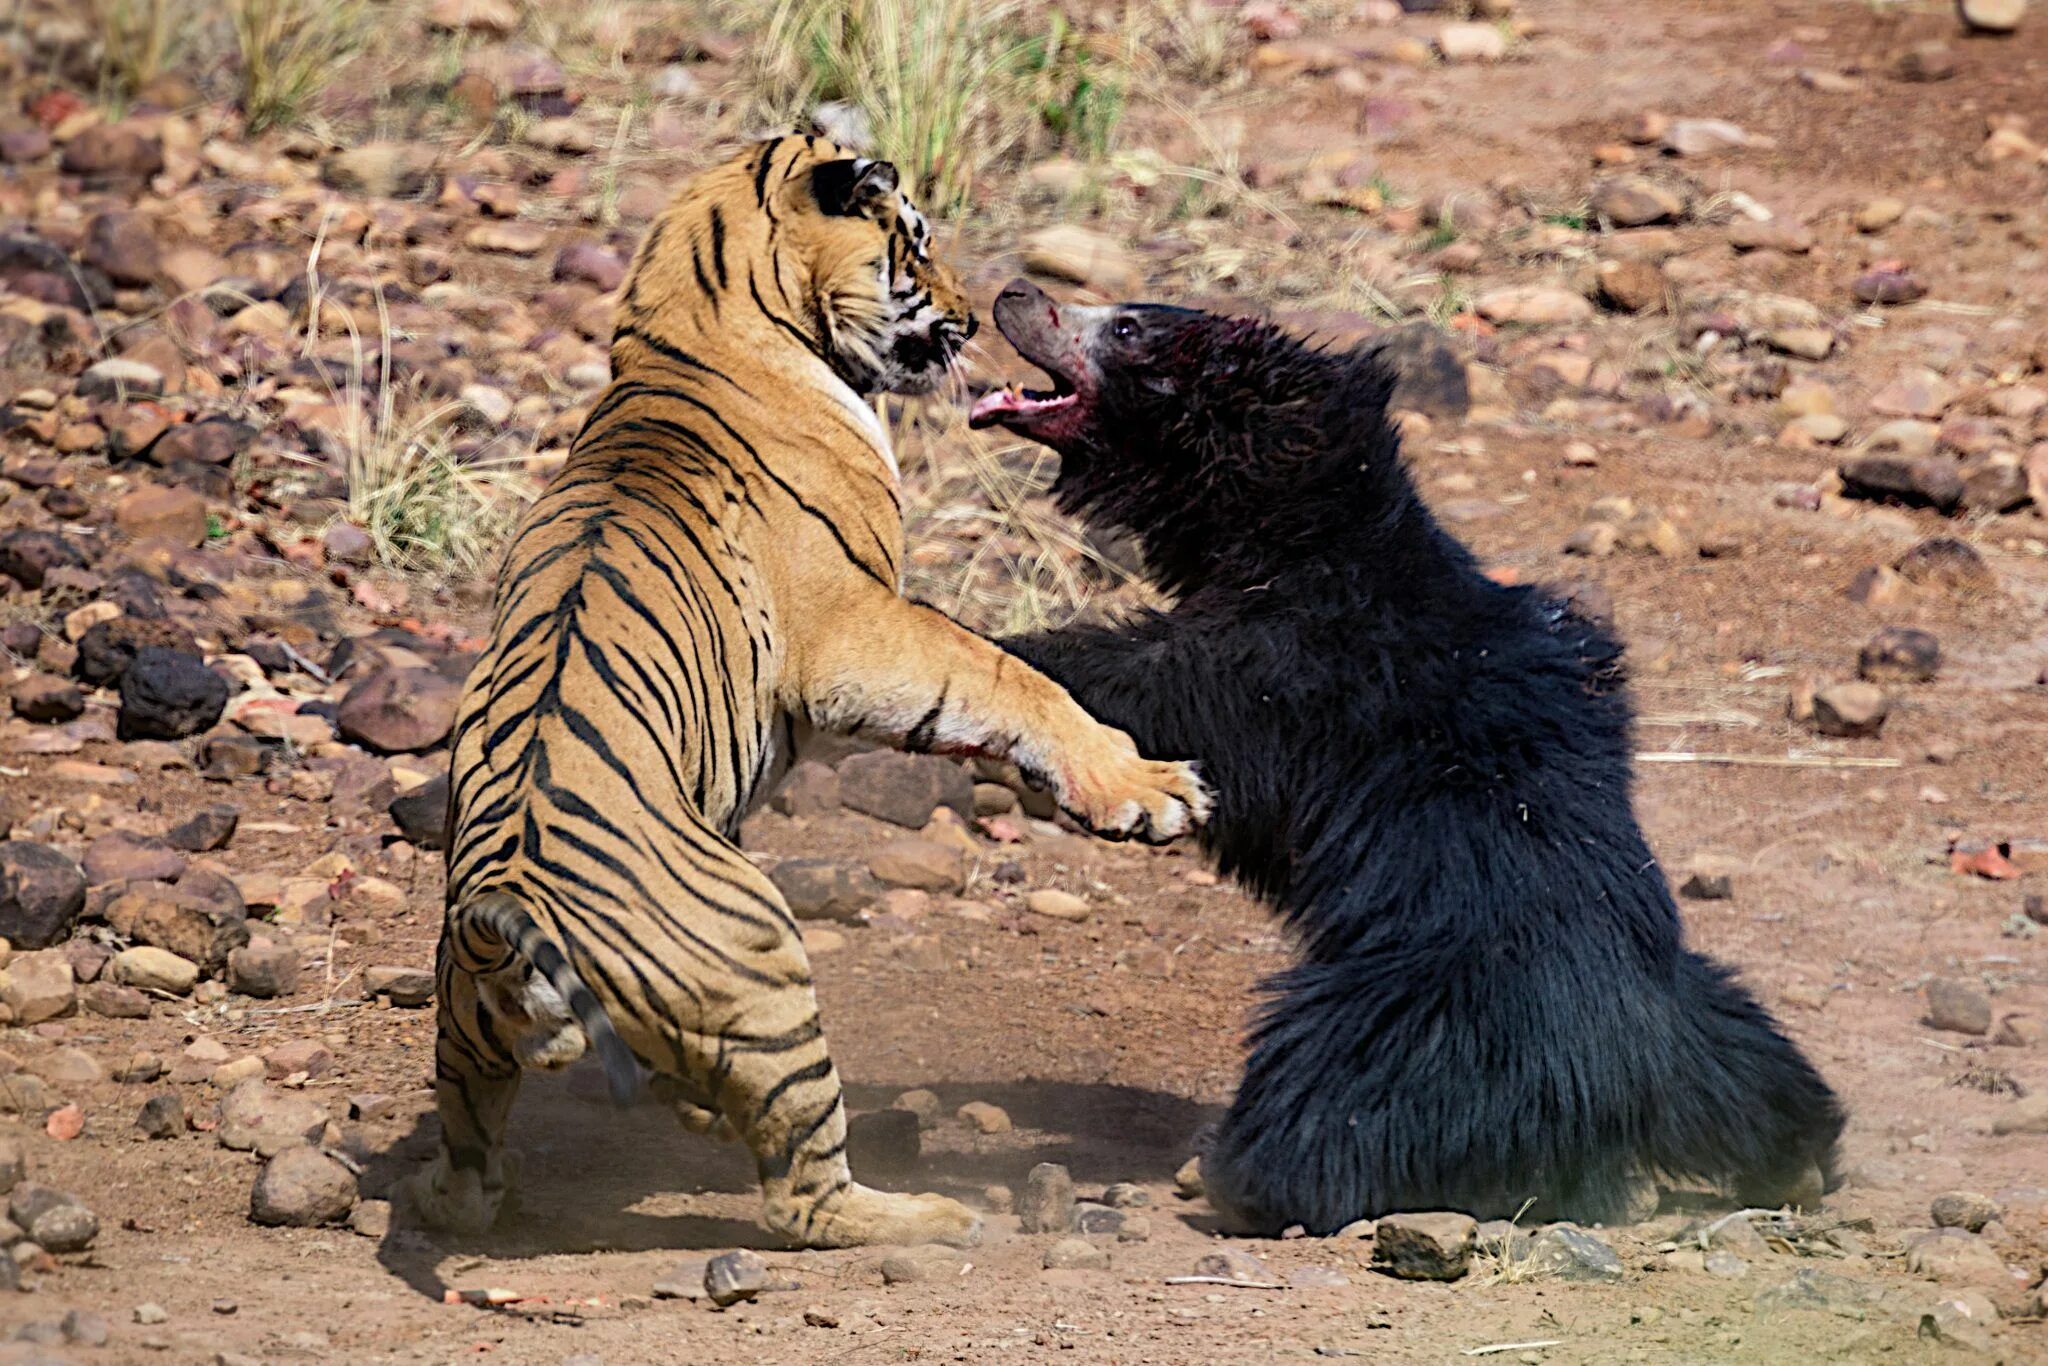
(753, 1047)
(495, 1015)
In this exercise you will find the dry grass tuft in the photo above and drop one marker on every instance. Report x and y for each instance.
(987, 547)
(138, 41)
(290, 50)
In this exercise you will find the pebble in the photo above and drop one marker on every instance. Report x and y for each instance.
(1992, 16)
(732, 1277)
(1573, 1254)
(1964, 1210)
(1900, 654)
(162, 1116)
(1850, 710)
(1634, 202)
(1471, 43)
(1957, 1006)
(41, 893)
(1082, 256)
(927, 1263)
(404, 986)
(1424, 1247)
(985, 1118)
(905, 789)
(1076, 1254)
(264, 971)
(148, 968)
(926, 865)
(1233, 1264)
(1058, 905)
(1533, 305)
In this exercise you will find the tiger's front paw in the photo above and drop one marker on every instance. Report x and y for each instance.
(1127, 796)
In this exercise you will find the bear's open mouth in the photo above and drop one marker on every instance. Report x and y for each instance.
(1014, 405)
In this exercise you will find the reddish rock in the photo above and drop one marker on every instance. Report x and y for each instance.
(399, 711)
(155, 513)
(107, 151)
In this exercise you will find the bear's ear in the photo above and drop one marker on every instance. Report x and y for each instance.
(853, 187)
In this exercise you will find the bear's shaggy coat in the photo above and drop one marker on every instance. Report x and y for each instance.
(1427, 774)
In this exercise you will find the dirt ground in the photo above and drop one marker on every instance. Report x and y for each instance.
(1110, 1042)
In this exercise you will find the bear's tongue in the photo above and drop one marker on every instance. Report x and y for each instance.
(1015, 406)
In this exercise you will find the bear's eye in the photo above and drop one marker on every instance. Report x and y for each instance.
(1123, 329)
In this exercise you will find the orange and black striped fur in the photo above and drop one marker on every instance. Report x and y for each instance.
(714, 571)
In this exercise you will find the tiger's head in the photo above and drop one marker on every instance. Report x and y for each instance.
(825, 245)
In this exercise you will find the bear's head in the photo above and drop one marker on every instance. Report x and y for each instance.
(1202, 434)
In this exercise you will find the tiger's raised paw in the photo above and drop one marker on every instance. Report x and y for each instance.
(863, 1216)
(1131, 797)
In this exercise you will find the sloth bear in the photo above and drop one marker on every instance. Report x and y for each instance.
(1426, 774)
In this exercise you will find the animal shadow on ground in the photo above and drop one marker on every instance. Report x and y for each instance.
(600, 1178)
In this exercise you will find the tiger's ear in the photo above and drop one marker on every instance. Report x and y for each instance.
(853, 187)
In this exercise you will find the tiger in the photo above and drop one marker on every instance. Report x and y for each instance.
(712, 575)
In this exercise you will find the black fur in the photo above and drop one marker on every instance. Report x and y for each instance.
(1427, 775)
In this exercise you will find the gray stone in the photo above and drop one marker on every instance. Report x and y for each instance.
(734, 1276)
(302, 1187)
(1076, 1254)
(904, 789)
(825, 889)
(1572, 1254)
(162, 1116)
(41, 893)
(1047, 1205)
(1958, 1007)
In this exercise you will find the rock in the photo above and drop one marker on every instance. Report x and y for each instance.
(202, 920)
(683, 1281)
(1899, 654)
(1957, 1006)
(27, 555)
(1953, 1256)
(1233, 1264)
(162, 1116)
(811, 789)
(1533, 305)
(112, 1001)
(1914, 393)
(1964, 1210)
(205, 830)
(44, 699)
(123, 245)
(154, 513)
(984, 1118)
(264, 971)
(904, 789)
(1878, 214)
(113, 151)
(148, 968)
(255, 1118)
(13, 1162)
(1707, 886)
(1076, 1254)
(1047, 1204)
(302, 1187)
(1471, 43)
(126, 857)
(1945, 562)
(1807, 343)
(381, 170)
(927, 1263)
(38, 986)
(1572, 1254)
(399, 710)
(405, 986)
(214, 441)
(119, 378)
(421, 815)
(1930, 482)
(734, 1276)
(1429, 377)
(66, 1068)
(825, 889)
(1633, 286)
(1058, 905)
(1889, 285)
(58, 1222)
(370, 1219)
(1925, 62)
(1992, 16)
(41, 893)
(1083, 256)
(1424, 1247)
(1995, 483)
(1850, 710)
(924, 864)
(107, 649)
(1962, 1322)
(883, 1142)
(1703, 137)
(591, 263)
(1634, 202)
(168, 695)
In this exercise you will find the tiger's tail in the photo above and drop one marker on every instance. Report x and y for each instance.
(502, 914)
